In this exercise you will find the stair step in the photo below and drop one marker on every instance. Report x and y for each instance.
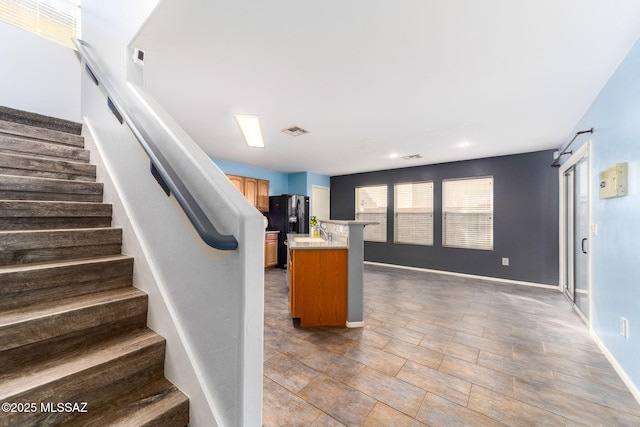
(25, 285)
(48, 150)
(39, 120)
(14, 164)
(32, 215)
(94, 374)
(18, 129)
(158, 404)
(35, 246)
(30, 188)
(39, 322)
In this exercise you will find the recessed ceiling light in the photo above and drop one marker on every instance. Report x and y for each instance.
(393, 156)
(464, 144)
(295, 131)
(250, 128)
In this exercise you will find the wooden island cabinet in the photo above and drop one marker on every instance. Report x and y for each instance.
(318, 286)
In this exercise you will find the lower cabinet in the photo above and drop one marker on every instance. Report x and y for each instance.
(318, 286)
(270, 250)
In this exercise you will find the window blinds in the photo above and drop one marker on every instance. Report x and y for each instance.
(414, 213)
(371, 205)
(467, 213)
(56, 20)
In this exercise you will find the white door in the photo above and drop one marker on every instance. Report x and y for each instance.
(320, 202)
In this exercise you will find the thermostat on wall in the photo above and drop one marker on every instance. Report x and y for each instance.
(138, 56)
(613, 181)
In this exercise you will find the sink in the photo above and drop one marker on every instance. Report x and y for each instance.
(308, 239)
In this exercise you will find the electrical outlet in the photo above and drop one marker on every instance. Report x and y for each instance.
(505, 261)
(624, 325)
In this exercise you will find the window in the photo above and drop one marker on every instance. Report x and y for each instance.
(371, 205)
(414, 213)
(467, 213)
(56, 20)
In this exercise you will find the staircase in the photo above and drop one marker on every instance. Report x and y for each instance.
(74, 346)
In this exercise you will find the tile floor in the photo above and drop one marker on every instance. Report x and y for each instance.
(440, 350)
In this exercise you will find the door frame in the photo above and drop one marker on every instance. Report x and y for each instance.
(577, 156)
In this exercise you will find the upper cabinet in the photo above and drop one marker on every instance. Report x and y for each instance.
(255, 190)
(263, 196)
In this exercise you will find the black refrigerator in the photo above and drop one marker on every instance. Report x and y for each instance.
(288, 214)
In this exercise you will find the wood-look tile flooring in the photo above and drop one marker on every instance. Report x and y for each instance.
(439, 350)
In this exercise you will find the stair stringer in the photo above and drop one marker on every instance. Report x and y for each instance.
(180, 361)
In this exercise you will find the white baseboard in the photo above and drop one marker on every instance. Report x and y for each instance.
(355, 324)
(471, 276)
(623, 375)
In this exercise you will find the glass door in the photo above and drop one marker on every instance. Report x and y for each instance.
(581, 237)
(576, 219)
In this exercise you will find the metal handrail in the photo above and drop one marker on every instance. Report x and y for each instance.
(161, 168)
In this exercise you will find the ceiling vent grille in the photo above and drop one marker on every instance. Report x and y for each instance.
(411, 157)
(295, 131)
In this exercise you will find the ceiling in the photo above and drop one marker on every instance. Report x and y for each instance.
(373, 79)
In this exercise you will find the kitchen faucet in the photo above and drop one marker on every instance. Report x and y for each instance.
(323, 230)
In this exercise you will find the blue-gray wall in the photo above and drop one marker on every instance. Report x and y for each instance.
(615, 270)
(525, 217)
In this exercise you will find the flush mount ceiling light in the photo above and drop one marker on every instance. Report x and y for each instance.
(295, 131)
(250, 128)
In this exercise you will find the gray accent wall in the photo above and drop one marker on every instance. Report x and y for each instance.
(525, 217)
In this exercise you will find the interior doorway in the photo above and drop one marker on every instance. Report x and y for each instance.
(575, 230)
(320, 202)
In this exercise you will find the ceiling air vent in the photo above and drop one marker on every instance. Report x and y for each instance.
(411, 157)
(295, 131)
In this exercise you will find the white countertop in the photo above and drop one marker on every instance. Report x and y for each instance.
(324, 244)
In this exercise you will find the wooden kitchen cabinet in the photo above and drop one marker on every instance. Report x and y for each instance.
(263, 196)
(318, 286)
(270, 250)
(251, 190)
(255, 190)
(238, 181)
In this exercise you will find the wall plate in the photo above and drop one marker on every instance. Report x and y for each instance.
(613, 181)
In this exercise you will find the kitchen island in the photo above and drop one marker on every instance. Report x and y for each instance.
(325, 275)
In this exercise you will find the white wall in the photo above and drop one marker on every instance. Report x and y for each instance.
(206, 302)
(38, 75)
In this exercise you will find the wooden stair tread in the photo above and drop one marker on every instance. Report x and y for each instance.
(51, 308)
(40, 208)
(58, 264)
(58, 169)
(11, 144)
(30, 183)
(37, 375)
(27, 284)
(34, 132)
(38, 322)
(25, 239)
(157, 404)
